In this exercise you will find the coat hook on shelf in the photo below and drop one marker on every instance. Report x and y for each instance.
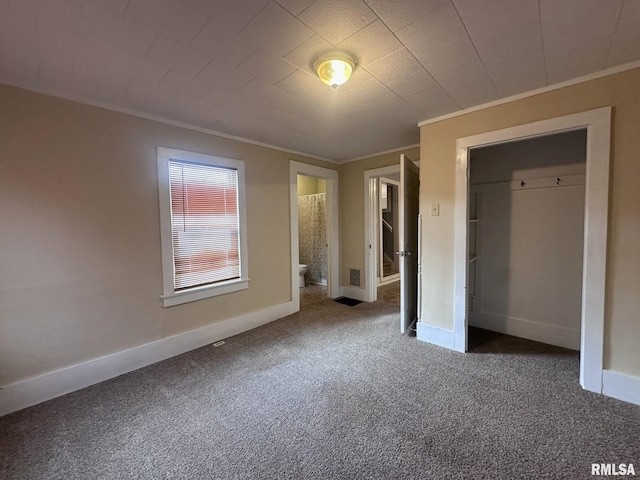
(522, 184)
(557, 180)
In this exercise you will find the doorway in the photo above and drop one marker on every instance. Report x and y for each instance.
(526, 229)
(326, 269)
(597, 124)
(388, 227)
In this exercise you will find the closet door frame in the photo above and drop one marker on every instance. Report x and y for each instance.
(597, 123)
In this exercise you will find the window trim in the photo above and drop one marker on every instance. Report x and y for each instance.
(170, 296)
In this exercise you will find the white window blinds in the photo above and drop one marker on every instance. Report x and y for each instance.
(205, 224)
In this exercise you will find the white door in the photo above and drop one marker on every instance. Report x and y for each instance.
(409, 191)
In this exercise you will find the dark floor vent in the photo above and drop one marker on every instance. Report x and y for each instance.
(350, 302)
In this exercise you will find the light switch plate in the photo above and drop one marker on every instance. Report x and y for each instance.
(435, 209)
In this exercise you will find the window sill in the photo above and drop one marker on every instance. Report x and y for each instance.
(200, 293)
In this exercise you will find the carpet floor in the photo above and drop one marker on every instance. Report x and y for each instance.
(331, 392)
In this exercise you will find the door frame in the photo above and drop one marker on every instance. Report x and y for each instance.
(371, 236)
(597, 123)
(333, 245)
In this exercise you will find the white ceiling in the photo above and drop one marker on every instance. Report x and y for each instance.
(243, 67)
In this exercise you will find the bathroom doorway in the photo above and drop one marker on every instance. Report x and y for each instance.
(314, 231)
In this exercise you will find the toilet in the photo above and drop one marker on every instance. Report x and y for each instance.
(303, 270)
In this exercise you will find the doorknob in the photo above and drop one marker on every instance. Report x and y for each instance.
(403, 253)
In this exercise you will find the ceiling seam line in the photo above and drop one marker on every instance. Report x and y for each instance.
(544, 52)
(475, 48)
(606, 61)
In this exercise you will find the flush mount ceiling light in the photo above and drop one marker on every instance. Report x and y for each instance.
(334, 68)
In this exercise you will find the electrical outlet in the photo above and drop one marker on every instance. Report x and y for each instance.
(435, 209)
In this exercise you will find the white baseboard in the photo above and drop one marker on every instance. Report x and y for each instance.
(31, 391)
(621, 386)
(536, 331)
(435, 335)
(354, 292)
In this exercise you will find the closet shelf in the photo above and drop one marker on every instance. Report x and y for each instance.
(474, 220)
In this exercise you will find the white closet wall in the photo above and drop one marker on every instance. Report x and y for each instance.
(525, 275)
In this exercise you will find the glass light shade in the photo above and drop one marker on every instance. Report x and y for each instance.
(334, 68)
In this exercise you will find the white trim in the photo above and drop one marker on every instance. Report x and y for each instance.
(370, 232)
(333, 257)
(598, 125)
(435, 335)
(31, 391)
(531, 93)
(524, 328)
(621, 386)
(170, 296)
(166, 121)
(353, 292)
(386, 152)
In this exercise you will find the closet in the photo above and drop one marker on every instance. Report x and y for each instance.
(526, 229)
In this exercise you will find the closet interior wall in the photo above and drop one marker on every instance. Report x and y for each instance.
(526, 236)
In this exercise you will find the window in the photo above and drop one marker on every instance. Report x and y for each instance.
(203, 226)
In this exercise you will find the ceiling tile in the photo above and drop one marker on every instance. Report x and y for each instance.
(233, 14)
(258, 90)
(292, 104)
(520, 74)
(172, 18)
(451, 55)
(224, 99)
(513, 44)
(373, 42)
(185, 86)
(267, 67)
(488, 20)
(295, 7)
(468, 84)
(220, 75)
(176, 55)
(143, 91)
(574, 63)
(275, 30)
(435, 30)
(397, 14)
(589, 29)
(300, 83)
(18, 44)
(626, 41)
(336, 21)
(556, 15)
(413, 83)
(431, 96)
(305, 53)
(114, 30)
(365, 88)
(134, 67)
(395, 66)
(118, 6)
(223, 43)
(114, 92)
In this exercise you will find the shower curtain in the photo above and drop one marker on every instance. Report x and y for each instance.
(312, 236)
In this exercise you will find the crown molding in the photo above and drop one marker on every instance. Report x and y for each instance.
(556, 86)
(393, 150)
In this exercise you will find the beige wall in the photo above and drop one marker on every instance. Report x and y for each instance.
(352, 209)
(311, 185)
(438, 143)
(81, 274)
